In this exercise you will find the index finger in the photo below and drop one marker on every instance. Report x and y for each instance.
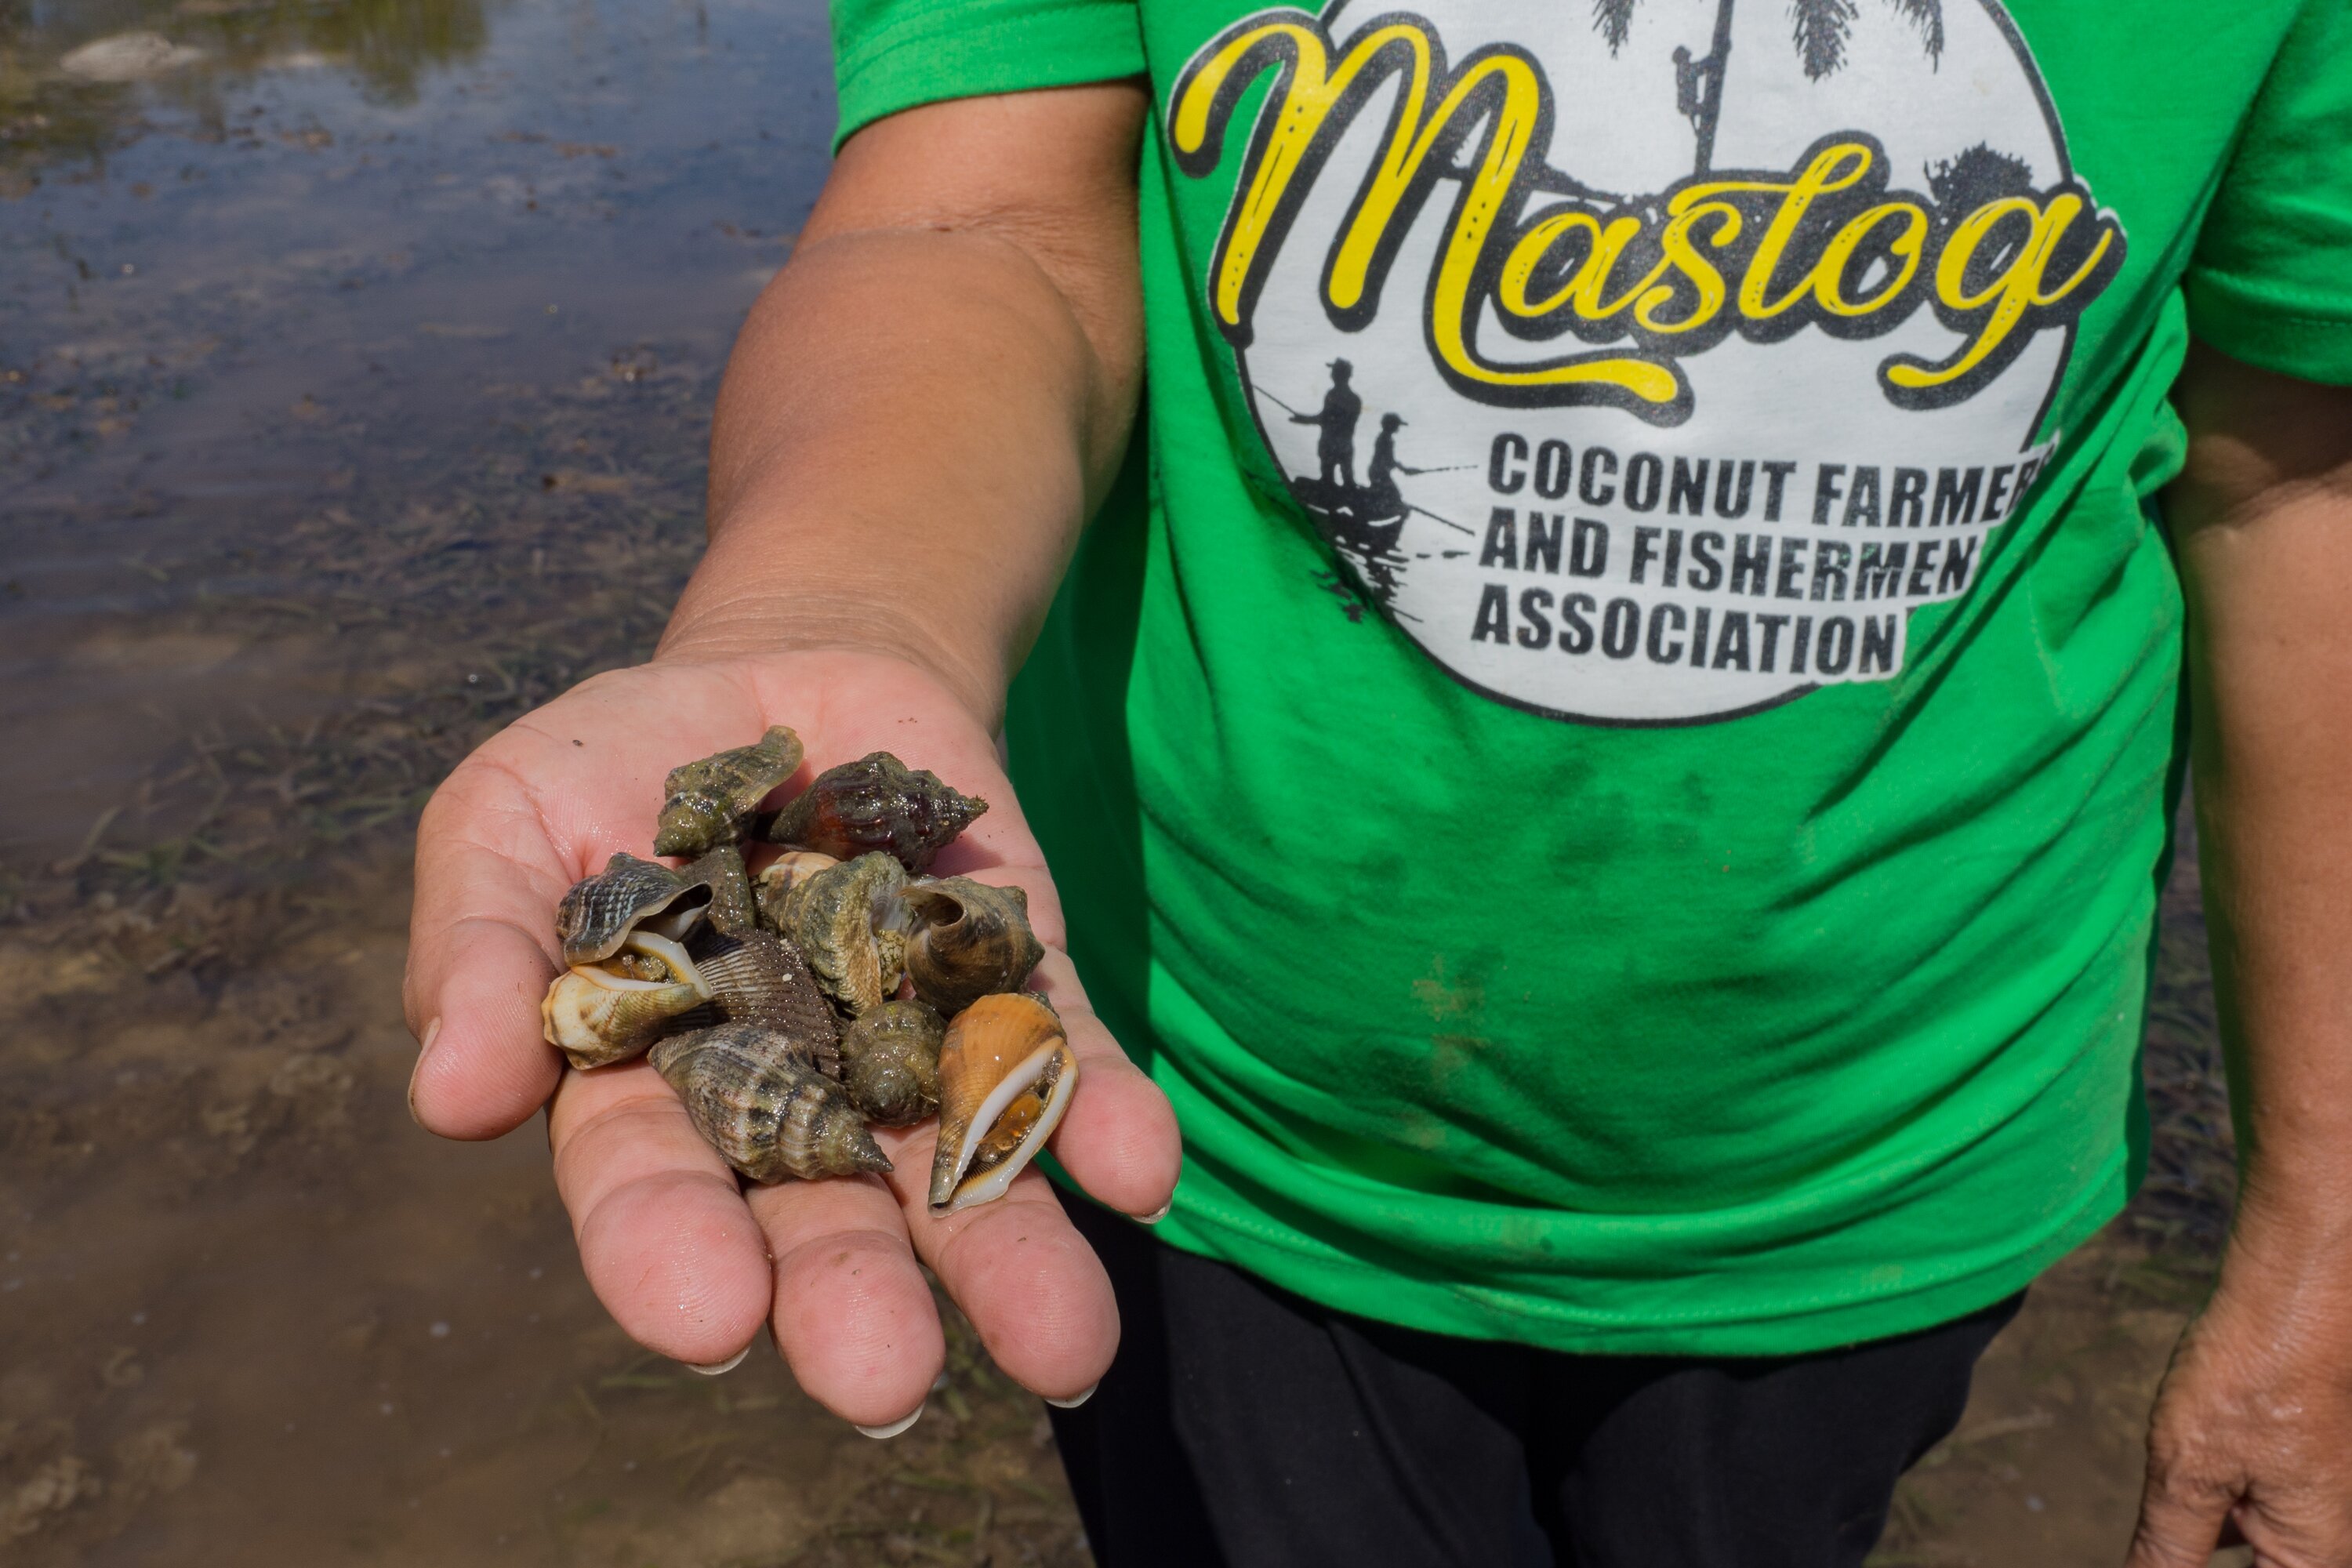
(1039, 1298)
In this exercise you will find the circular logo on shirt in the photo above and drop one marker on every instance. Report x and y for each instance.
(1646, 362)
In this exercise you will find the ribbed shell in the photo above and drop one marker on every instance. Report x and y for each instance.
(890, 1063)
(971, 940)
(598, 912)
(764, 1106)
(877, 803)
(711, 802)
(761, 980)
(830, 917)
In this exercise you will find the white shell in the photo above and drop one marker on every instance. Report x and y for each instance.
(597, 1017)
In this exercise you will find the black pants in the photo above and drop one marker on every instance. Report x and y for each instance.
(1243, 1425)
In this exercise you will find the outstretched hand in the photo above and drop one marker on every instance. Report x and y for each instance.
(687, 1260)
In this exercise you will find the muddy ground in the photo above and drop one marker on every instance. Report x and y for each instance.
(355, 364)
(253, 1315)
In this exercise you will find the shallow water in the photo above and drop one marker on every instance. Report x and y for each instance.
(359, 266)
(354, 369)
(353, 386)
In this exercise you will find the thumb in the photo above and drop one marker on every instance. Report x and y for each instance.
(480, 952)
(482, 1068)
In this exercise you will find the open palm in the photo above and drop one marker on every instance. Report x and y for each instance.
(686, 1259)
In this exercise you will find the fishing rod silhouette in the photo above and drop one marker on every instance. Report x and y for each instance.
(1409, 507)
(1448, 522)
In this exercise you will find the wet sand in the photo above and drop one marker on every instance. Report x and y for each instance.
(353, 386)
(255, 1317)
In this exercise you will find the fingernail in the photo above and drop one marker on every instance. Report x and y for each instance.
(423, 1049)
(1156, 1216)
(895, 1428)
(1074, 1401)
(713, 1368)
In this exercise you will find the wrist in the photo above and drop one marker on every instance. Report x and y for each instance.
(2290, 1234)
(743, 624)
(812, 571)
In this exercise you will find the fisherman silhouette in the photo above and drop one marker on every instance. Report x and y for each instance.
(1336, 448)
(1386, 500)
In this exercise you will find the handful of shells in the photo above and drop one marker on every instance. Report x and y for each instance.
(839, 989)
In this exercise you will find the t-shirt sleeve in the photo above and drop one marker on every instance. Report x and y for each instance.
(890, 54)
(2271, 281)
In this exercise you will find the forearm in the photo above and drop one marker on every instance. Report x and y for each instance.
(923, 408)
(2265, 526)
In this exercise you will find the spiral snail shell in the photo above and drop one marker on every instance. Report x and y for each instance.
(877, 803)
(711, 802)
(890, 1062)
(765, 1106)
(969, 939)
(1006, 1074)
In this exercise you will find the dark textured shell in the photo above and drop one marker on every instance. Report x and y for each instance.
(733, 910)
(598, 914)
(711, 802)
(969, 940)
(890, 1063)
(877, 803)
(761, 980)
(764, 1106)
(831, 918)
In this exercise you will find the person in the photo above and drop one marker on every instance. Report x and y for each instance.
(1386, 499)
(1335, 443)
(1638, 1015)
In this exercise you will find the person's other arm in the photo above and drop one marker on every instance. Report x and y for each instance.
(2253, 1427)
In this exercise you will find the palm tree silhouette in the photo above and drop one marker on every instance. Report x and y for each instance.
(1819, 29)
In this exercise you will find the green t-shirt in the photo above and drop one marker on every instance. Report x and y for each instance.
(1612, 754)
